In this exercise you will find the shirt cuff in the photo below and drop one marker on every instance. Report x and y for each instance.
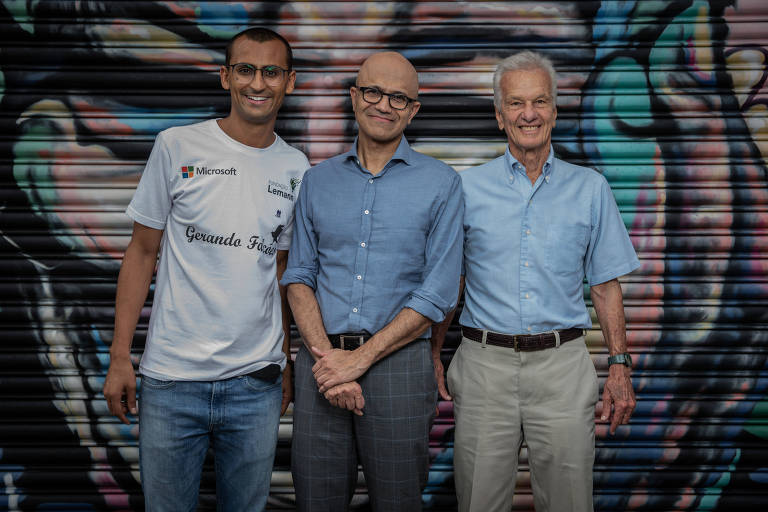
(425, 308)
(297, 275)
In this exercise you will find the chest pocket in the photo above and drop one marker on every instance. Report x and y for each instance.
(566, 246)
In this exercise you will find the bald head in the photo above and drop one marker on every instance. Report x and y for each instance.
(386, 76)
(389, 69)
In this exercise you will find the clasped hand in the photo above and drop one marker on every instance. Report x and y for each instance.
(336, 367)
(335, 373)
(347, 396)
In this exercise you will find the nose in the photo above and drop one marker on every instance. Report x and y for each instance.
(383, 104)
(529, 113)
(257, 82)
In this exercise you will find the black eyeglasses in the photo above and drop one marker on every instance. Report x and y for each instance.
(244, 73)
(374, 95)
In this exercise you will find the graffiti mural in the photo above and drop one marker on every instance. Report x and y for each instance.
(668, 99)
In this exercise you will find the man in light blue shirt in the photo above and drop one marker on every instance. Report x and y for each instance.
(534, 227)
(375, 259)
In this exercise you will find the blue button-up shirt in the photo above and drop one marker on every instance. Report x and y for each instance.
(527, 247)
(371, 245)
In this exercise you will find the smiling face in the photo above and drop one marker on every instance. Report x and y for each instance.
(527, 112)
(391, 73)
(257, 102)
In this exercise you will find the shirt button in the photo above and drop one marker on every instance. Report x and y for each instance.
(546, 179)
(359, 277)
(367, 212)
(370, 180)
(526, 263)
(527, 231)
(526, 296)
(529, 327)
(362, 244)
(354, 310)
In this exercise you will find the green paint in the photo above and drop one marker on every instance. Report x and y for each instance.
(618, 145)
(20, 13)
(710, 500)
(756, 424)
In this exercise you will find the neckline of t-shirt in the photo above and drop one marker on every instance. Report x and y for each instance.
(239, 145)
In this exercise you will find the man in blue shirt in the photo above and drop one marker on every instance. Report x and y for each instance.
(534, 226)
(375, 259)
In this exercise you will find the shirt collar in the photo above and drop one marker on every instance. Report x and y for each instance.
(403, 153)
(514, 166)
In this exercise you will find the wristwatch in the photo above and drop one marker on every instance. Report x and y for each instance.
(623, 358)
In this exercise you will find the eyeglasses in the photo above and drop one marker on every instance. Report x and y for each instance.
(374, 95)
(244, 73)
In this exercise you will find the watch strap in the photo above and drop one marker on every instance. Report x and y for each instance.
(623, 358)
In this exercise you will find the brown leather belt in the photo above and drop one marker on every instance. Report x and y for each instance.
(522, 342)
(348, 341)
(352, 340)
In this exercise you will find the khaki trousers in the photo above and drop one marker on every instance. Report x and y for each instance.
(501, 398)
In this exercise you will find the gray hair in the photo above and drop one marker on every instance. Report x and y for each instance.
(526, 60)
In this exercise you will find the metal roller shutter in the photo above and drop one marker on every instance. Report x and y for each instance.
(667, 99)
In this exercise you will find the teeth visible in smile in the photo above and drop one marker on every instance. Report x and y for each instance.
(256, 98)
(529, 128)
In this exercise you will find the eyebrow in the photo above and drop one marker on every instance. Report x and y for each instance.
(255, 66)
(383, 90)
(544, 96)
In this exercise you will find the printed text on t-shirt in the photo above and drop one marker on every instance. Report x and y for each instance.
(255, 242)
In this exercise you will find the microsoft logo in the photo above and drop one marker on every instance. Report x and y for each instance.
(187, 171)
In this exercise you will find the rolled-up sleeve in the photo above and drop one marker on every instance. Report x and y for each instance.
(439, 290)
(302, 258)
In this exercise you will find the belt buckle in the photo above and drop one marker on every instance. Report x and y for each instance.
(358, 338)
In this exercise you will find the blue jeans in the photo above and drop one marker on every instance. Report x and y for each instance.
(238, 417)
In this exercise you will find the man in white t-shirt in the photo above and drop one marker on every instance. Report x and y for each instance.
(216, 201)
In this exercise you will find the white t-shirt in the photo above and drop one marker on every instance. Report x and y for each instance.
(226, 209)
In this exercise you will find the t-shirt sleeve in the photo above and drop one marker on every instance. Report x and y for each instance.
(610, 253)
(284, 242)
(151, 202)
(303, 256)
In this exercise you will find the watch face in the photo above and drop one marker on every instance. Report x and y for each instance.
(624, 359)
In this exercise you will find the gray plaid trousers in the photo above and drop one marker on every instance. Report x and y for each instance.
(390, 440)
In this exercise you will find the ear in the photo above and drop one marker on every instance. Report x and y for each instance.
(291, 82)
(224, 76)
(499, 119)
(415, 106)
(353, 92)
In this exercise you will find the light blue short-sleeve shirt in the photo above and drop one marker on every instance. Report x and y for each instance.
(528, 247)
